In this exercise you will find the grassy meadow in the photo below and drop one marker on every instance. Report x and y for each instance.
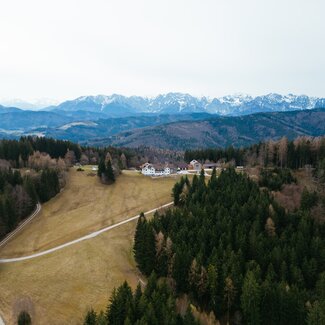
(60, 287)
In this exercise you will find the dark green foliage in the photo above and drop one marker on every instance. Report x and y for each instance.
(101, 167)
(155, 305)
(274, 179)
(179, 190)
(109, 173)
(144, 246)
(308, 199)
(316, 315)
(91, 318)
(12, 150)
(18, 195)
(120, 305)
(233, 248)
(24, 318)
(48, 186)
(216, 154)
(17, 152)
(105, 171)
(295, 154)
(251, 299)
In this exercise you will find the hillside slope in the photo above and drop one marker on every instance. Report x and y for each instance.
(224, 131)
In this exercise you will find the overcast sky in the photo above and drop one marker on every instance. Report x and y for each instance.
(64, 49)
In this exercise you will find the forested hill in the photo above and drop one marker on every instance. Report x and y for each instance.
(236, 252)
(225, 131)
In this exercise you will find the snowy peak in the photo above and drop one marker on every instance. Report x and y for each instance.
(179, 103)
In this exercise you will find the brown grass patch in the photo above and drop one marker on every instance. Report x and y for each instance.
(60, 287)
(86, 205)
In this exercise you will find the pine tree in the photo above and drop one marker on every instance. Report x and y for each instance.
(316, 314)
(101, 168)
(24, 318)
(250, 299)
(120, 304)
(149, 250)
(177, 190)
(139, 242)
(109, 173)
(101, 319)
(91, 318)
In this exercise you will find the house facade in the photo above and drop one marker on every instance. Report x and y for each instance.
(195, 165)
(210, 165)
(155, 170)
(182, 166)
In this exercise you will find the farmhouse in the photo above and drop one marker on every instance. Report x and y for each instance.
(195, 165)
(182, 166)
(155, 169)
(210, 165)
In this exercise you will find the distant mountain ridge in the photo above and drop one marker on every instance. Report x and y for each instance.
(223, 131)
(168, 131)
(178, 103)
(173, 121)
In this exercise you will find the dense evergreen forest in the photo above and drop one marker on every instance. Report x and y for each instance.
(282, 153)
(155, 305)
(233, 250)
(18, 152)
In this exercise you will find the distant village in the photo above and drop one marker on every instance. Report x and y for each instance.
(166, 169)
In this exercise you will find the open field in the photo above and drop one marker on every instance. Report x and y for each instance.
(86, 205)
(59, 288)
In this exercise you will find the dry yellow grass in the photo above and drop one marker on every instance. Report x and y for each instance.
(86, 205)
(60, 287)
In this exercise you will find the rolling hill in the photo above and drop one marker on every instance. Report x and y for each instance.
(84, 131)
(223, 131)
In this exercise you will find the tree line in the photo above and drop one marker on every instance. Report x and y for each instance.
(17, 152)
(282, 153)
(234, 251)
(19, 195)
(156, 304)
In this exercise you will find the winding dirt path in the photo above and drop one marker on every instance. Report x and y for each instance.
(78, 240)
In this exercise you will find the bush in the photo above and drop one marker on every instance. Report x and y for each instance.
(308, 199)
(275, 178)
(24, 318)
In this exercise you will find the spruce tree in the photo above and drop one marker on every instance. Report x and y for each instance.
(250, 299)
(91, 318)
(101, 168)
(24, 318)
(109, 173)
(149, 250)
(139, 242)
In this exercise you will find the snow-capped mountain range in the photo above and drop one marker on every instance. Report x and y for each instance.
(178, 103)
